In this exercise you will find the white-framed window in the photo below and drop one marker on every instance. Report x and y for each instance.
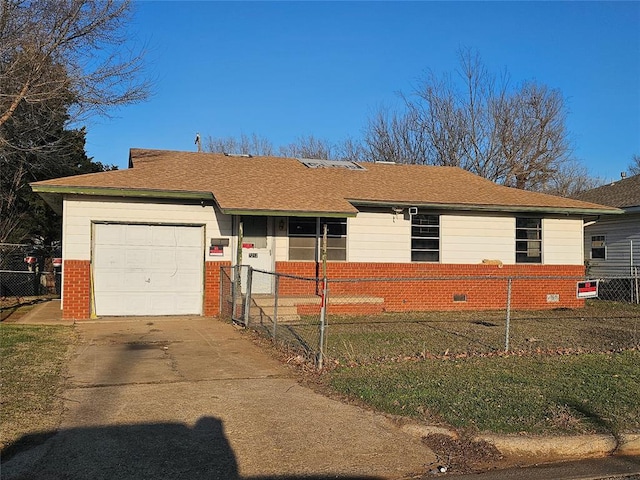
(425, 238)
(305, 238)
(598, 247)
(528, 240)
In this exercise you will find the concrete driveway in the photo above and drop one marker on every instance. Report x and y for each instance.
(191, 398)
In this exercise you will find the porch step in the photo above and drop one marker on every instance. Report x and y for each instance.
(291, 307)
(286, 314)
(268, 300)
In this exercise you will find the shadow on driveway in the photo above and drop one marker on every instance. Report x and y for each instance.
(145, 451)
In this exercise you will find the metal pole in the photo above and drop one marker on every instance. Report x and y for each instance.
(323, 315)
(275, 307)
(247, 299)
(221, 292)
(323, 310)
(506, 341)
(237, 279)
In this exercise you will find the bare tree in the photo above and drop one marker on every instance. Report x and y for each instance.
(476, 121)
(394, 137)
(61, 61)
(50, 48)
(308, 147)
(350, 149)
(634, 166)
(570, 179)
(245, 144)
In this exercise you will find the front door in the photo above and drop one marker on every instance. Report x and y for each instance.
(256, 252)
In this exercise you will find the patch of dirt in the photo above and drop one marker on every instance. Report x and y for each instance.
(463, 455)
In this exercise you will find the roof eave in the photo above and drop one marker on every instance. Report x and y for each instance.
(633, 209)
(288, 213)
(492, 208)
(120, 192)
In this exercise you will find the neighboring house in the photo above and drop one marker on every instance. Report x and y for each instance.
(151, 240)
(612, 242)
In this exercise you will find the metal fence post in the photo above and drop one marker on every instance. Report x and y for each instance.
(323, 316)
(506, 340)
(221, 292)
(247, 303)
(275, 306)
(233, 271)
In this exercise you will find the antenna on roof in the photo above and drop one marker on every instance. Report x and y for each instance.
(198, 142)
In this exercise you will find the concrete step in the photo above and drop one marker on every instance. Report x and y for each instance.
(266, 300)
(285, 313)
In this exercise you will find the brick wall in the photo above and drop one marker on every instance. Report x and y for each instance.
(444, 282)
(76, 290)
(212, 287)
(399, 295)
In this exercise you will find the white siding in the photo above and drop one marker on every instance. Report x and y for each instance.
(281, 240)
(79, 213)
(562, 241)
(469, 239)
(379, 237)
(620, 231)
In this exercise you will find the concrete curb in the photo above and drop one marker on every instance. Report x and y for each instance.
(566, 447)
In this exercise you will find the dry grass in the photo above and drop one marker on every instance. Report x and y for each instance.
(34, 359)
(567, 371)
(538, 394)
(600, 327)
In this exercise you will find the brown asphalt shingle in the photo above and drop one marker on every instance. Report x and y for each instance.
(622, 193)
(285, 184)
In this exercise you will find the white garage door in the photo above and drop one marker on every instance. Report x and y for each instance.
(147, 270)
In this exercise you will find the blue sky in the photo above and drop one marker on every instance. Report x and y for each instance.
(283, 70)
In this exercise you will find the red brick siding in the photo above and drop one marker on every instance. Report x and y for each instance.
(77, 289)
(212, 287)
(415, 295)
(76, 296)
(409, 295)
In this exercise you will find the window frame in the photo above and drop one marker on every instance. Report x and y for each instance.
(522, 236)
(426, 238)
(603, 247)
(333, 246)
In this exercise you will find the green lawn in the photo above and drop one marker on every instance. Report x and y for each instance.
(535, 394)
(33, 361)
(599, 327)
(567, 371)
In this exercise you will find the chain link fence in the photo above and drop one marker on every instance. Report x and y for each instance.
(620, 283)
(373, 320)
(293, 322)
(28, 272)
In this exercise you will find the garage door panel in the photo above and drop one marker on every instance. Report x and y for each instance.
(111, 304)
(189, 238)
(146, 270)
(159, 304)
(188, 282)
(137, 258)
(165, 236)
(114, 235)
(138, 235)
(110, 257)
(189, 257)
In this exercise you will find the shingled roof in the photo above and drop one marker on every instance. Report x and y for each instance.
(624, 194)
(285, 186)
